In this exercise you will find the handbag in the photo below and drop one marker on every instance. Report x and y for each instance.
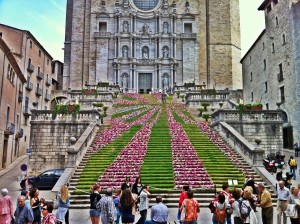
(12, 220)
(229, 211)
(182, 214)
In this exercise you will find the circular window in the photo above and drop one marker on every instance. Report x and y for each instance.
(145, 5)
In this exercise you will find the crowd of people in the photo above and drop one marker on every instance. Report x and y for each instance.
(32, 209)
(237, 206)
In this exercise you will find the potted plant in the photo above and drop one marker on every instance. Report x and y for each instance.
(178, 94)
(116, 94)
(221, 104)
(206, 117)
(99, 105)
(89, 92)
(105, 109)
(247, 107)
(201, 110)
(205, 105)
(182, 97)
(257, 106)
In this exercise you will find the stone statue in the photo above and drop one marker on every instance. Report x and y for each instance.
(145, 53)
(165, 52)
(125, 81)
(165, 82)
(125, 51)
(125, 26)
(166, 27)
(145, 29)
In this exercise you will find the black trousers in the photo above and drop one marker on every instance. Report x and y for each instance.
(237, 220)
(143, 217)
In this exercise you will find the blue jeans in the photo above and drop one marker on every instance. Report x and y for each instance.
(293, 170)
(149, 221)
(228, 219)
(215, 221)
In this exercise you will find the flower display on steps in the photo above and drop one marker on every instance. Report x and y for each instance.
(138, 97)
(127, 102)
(130, 160)
(188, 169)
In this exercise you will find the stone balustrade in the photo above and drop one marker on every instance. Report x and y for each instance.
(234, 116)
(253, 154)
(48, 115)
(185, 89)
(265, 125)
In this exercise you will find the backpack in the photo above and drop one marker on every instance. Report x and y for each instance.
(293, 162)
(220, 214)
(245, 210)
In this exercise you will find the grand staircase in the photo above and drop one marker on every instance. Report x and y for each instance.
(157, 169)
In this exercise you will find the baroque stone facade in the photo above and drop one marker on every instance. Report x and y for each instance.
(150, 45)
(271, 65)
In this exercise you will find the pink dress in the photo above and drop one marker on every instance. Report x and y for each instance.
(6, 210)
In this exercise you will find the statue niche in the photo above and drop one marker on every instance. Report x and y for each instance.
(125, 51)
(165, 52)
(125, 27)
(165, 27)
(165, 81)
(125, 81)
(145, 52)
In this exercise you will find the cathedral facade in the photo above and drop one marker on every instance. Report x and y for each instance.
(147, 45)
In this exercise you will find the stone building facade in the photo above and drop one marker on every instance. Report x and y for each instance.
(35, 64)
(270, 72)
(11, 92)
(145, 45)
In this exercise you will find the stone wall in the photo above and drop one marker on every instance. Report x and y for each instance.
(50, 137)
(264, 85)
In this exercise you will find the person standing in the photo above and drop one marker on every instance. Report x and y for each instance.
(48, 217)
(228, 198)
(94, 199)
(63, 204)
(137, 186)
(265, 202)
(107, 208)
(23, 213)
(219, 216)
(192, 209)
(159, 213)
(283, 197)
(144, 204)
(296, 148)
(127, 206)
(6, 207)
(117, 204)
(293, 166)
(126, 184)
(182, 197)
(35, 203)
(294, 200)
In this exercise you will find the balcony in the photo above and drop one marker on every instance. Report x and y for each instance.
(40, 75)
(38, 92)
(30, 68)
(10, 130)
(20, 133)
(49, 82)
(29, 86)
(26, 111)
(47, 97)
(188, 35)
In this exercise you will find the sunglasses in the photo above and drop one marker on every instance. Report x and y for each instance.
(44, 208)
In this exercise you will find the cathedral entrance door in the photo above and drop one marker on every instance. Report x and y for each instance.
(145, 82)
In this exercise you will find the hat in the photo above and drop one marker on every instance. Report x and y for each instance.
(24, 192)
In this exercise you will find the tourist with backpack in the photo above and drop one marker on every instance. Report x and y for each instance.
(229, 201)
(242, 211)
(293, 166)
(94, 199)
(220, 215)
(265, 202)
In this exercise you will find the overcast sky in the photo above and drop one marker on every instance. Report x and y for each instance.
(45, 19)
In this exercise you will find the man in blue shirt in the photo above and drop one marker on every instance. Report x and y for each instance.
(159, 213)
(23, 213)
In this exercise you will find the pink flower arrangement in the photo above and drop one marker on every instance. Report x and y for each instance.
(127, 102)
(188, 169)
(138, 97)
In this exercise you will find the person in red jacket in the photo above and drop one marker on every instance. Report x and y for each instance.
(228, 198)
(183, 196)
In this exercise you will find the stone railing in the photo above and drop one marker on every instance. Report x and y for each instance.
(185, 89)
(100, 96)
(253, 154)
(48, 115)
(235, 116)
